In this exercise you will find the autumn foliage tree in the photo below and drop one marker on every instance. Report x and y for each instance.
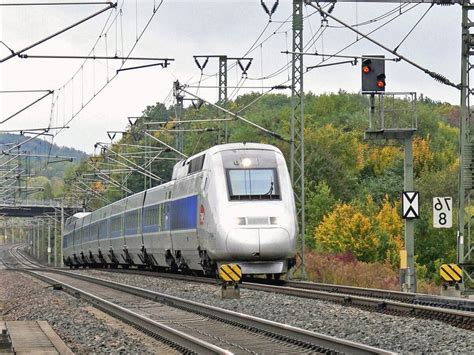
(370, 233)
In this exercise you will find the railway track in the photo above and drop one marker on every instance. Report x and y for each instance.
(456, 312)
(190, 326)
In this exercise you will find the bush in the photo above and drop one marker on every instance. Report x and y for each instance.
(345, 269)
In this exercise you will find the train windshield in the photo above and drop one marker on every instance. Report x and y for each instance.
(253, 184)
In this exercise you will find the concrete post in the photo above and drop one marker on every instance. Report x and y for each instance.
(49, 242)
(62, 231)
(410, 279)
(38, 241)
(55, 232)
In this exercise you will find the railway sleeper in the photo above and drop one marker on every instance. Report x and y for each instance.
(253, 329)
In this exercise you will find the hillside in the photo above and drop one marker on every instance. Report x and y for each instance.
(38, 146)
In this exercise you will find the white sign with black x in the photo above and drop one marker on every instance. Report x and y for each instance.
(410, 204)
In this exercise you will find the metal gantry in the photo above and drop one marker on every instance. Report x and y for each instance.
(244, 64)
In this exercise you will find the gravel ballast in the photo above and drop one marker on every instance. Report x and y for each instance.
(82, 327)
(399, 334)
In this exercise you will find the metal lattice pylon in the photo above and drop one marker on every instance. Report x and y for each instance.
(297, 125)
(223, 93)
(466, 149)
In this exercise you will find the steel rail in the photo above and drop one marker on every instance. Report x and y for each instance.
(466, 319)
(181, 340)
(407, 297)
(442, 309)
(381, 300)
(281, 330)
(301, 335)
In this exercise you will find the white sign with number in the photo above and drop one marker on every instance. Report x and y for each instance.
(442, 212)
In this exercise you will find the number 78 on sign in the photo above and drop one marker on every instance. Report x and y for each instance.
(442, 212)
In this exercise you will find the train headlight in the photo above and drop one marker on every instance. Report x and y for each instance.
(273, 220)
(241, 221)
(246, 162)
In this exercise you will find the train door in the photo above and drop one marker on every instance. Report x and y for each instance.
(166, 211)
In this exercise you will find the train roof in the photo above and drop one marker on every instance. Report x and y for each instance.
(235, 146)
(120, 205)
(179, 169)
(77, 216)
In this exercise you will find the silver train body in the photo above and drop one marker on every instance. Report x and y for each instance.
(232, 203)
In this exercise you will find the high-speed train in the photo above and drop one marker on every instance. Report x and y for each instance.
(232, 203)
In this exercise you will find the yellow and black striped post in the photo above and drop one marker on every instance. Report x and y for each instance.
(450, 273)
(230, 274)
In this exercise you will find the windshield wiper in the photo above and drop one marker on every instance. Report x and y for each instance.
(271, 189)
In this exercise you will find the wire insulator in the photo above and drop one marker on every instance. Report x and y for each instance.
(441, 78)
(273, 9)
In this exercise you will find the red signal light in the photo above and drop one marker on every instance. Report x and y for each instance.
(381, 81)
(366, 69)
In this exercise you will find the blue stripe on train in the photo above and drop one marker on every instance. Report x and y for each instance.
(184, 213)
(178, 214)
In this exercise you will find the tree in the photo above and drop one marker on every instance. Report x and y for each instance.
(370, 232)
(319, 201)
(334, 155)
(346, 229)
(47, 191)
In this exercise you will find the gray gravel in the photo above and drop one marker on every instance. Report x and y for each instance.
(399, 334)
(83, 328)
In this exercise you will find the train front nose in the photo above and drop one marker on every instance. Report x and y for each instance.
(258, 243)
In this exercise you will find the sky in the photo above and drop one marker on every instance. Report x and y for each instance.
(180, 29)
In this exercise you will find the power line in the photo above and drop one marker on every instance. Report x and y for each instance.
(145, 27)
(15, 53)
(56, 3)
(434, 75)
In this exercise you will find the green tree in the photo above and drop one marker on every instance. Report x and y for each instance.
(333, 155)
(319, 201)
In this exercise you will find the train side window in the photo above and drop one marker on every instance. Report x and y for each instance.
(116, 226)
(150, 219)
(103, 229)
(132, 220)
(86, 233)
(196, 164)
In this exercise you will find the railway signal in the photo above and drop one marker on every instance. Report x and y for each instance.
(373, 74)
